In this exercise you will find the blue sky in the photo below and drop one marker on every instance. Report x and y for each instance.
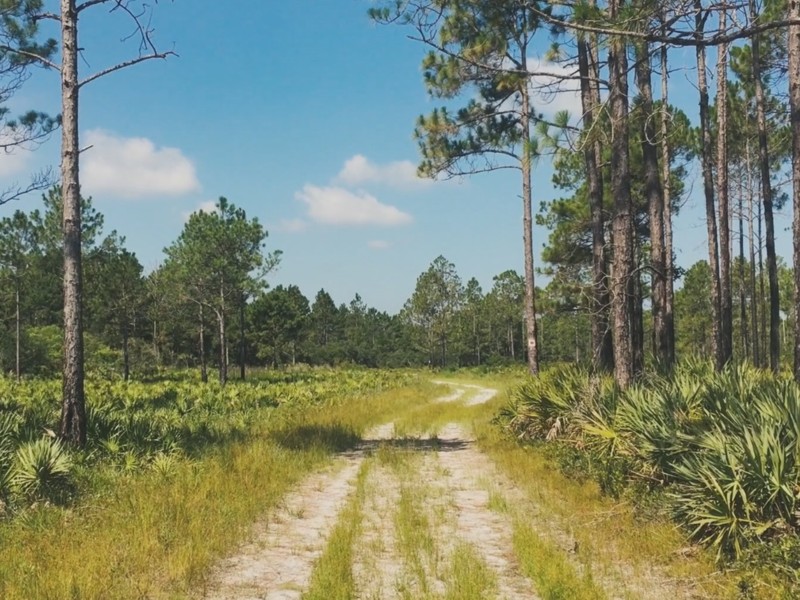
(302, 113)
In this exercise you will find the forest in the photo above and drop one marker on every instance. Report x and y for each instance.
(593, 401)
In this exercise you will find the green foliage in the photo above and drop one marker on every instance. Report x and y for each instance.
(433, 307)
(279, 323)
(132, 425)
(724, 446)
(41, 469)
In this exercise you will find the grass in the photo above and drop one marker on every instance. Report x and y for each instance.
(612, 542)
(468, 577)
(414, 528)
(332, 577)
(607, 533)
(156, 535)
(546, 564)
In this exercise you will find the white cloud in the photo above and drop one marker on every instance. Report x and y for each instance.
(292, 225)
(378, 244)
(552, 93)
(359, 170)
(338, 206)
(16, 159)
(134, 167)
(209, 206)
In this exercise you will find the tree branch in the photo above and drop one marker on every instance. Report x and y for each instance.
(31, 55)
(40, 181)
(123, 65)
(714, 40)
(90, 3)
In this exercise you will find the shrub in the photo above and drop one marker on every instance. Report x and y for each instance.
(41, 470)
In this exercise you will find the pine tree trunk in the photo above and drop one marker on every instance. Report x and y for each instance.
(242, 349)
(18, 328)
(762, 295)
(708, 189)
(622, 225)
(766, 193)
(156, 352)
(723, 202)
(669, 270)
(752, 253)
(73, 409)
(202, 341)
(602, 350)
(794, 103)
(637, 319)
(527, 236)
(223, 341)
(126, 362)
(655, 202)
(742, 275)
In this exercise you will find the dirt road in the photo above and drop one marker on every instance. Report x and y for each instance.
(431, 521)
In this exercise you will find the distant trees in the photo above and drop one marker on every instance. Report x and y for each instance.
(217, 261)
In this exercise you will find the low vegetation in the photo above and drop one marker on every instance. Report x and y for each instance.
(716, 451)
(180, 473)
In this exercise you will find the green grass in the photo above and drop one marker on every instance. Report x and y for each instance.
(607, 533)
(156, 535)
(332, 577)
(554, 576)
(468, 577)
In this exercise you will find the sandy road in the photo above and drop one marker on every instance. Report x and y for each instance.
(450, 480)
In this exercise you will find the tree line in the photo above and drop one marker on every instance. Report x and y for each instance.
(208, 305)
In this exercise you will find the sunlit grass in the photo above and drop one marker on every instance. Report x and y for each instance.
(468, 577)
(156, 536)
(332, 577)
(607, 534)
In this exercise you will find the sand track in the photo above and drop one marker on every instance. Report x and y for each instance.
(454, 481)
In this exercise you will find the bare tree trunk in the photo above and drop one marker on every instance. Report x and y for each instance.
(754, 322)
(655, 202)
(242, 349)
(762, 290)
(669, 270)
(18, 366)
(723, 202)
(223, 341)
(73, 409)
(602, 349)
(126, 359)
(156, 352)
(794, 103)
(622, 226)
(766, 193)
(742, 275)
(203, 366)
(637, 315)
(527, 235)
(708, 188)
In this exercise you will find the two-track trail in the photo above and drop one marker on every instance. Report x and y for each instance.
(433, 521)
